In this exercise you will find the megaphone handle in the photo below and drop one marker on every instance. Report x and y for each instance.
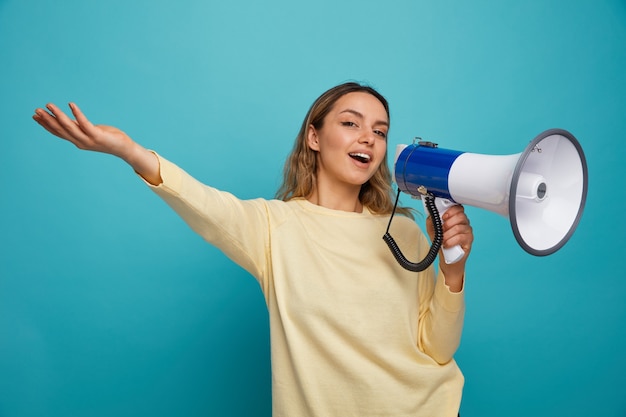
(455, 253)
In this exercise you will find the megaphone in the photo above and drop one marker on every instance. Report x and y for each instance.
(542, 190)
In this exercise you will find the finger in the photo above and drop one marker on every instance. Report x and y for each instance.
(67, 124)
(456, 216)
(465, 245)
(83, 123)
(454, 211)
(455, 224)
(50, 123)
(461, 235)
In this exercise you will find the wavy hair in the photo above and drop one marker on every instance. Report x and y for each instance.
(299, 173)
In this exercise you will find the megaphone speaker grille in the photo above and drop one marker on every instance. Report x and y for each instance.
(548, 192)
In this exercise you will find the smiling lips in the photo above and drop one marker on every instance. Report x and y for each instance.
(361, 157)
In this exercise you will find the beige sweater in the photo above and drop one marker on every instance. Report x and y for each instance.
(352, 333)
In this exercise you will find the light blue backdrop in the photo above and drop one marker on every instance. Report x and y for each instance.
(110, 305)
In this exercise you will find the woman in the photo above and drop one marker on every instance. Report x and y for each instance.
(352, 332)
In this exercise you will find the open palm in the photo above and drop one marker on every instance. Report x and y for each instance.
(81, 132)
(98, 138)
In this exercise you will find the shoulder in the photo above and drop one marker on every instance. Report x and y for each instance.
(406, 231)
(404, 223)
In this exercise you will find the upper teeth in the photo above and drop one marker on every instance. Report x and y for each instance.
(361, 155)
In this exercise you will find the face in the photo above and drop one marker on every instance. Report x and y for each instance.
(352, 142)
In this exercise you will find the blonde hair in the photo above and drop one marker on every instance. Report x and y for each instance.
(299, 173)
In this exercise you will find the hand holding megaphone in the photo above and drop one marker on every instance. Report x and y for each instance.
(454, 253)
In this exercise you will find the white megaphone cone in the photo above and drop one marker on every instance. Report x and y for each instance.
(542, 190)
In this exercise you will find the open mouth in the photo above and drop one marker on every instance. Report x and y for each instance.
(361, 157)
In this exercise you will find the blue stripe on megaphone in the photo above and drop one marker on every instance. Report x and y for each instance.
(419, 165)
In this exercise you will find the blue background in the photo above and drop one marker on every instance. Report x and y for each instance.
(110, 305)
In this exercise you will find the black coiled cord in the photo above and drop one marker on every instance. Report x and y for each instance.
(429, 201)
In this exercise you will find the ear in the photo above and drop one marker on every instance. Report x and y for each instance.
(312, 139)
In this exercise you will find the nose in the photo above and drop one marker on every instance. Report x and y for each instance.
(367, 138)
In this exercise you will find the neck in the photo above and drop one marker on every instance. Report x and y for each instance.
(344, 200)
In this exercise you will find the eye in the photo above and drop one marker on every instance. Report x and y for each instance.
(348, 124)
(381, 133)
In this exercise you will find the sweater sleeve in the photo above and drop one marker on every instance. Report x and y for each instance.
(239, 228)
(442, 314)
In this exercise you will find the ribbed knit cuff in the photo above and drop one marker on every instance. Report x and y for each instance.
(451, 301)
(170, 175)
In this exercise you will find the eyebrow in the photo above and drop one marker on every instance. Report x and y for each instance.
(360, 115)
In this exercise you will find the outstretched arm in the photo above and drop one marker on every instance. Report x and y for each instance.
(99, 138)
